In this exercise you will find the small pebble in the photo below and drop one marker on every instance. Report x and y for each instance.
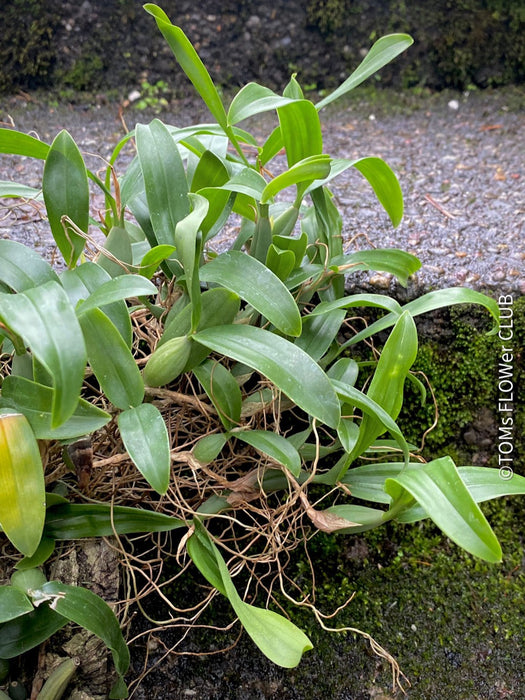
(453, 104)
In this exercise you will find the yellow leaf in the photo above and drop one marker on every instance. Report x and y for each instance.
(22, 488)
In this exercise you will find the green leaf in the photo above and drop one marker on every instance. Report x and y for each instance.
(483, 484)
(188, 244)
(111, 360)
(28, 631)
(378, 301)
(66, 193)
(211, 172)
(247, 181)
(116, 289)
(84, 608)
(344, 370)
(190, 63)
(368, 482)
(117, 245)
(282, 229)
(164, 179)
(35, 401)
(14, 189)
(208, 448)
(385, 185)
(360, 518)
(430, 302)
(254, 99)
(86, 279)
(278, 639)
(438, 487)
(44, 318)
(397, 262)
(152, 259)
(300, 130)
(305, 171)
(71, 521)
(17, 143)
(22, 268)
(274, 446)
(386, 387)
(280, 262)
(382, 52)
(44, 550)
(13, 603)
(379, 175)
(168, 361)
(145, 437)
(223, 391)
(370, 408)
(319, 332)
(257, 285)
(218, 306)
(348, 434)
(287, 366)
(22, 489)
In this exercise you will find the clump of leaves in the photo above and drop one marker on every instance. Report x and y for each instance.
(218, 384)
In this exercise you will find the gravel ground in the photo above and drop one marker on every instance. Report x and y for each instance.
(459, 158)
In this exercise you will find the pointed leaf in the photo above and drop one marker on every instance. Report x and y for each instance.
(46, 321)
(222, 390)
(111, 360)
(146, 440)
(66, 193)
(22, 488)
(305, 171)
(208, 448)
(84, 608)
(386, 387)
(430, 302)
(287, 366)
(438, 487)
(274, 446)
(190, 63)
(397, 262)
(279, 639)
(164, 179)
(254, 99)
(380, 176)
(257, 285)
(35, 401)
(301, 131)
(28, 631)
(87, 278)
(382, 52)
(319, 332)
(16, 143)
(71, 521)
(116, 289)
(188, 244)
(22, 268)
(369, 407)
(13, 604)
(483, 484)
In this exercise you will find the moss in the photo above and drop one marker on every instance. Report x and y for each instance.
(457, 44)
(463, 372)
(27, 47)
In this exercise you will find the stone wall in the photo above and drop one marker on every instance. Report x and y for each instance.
(115, 45)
